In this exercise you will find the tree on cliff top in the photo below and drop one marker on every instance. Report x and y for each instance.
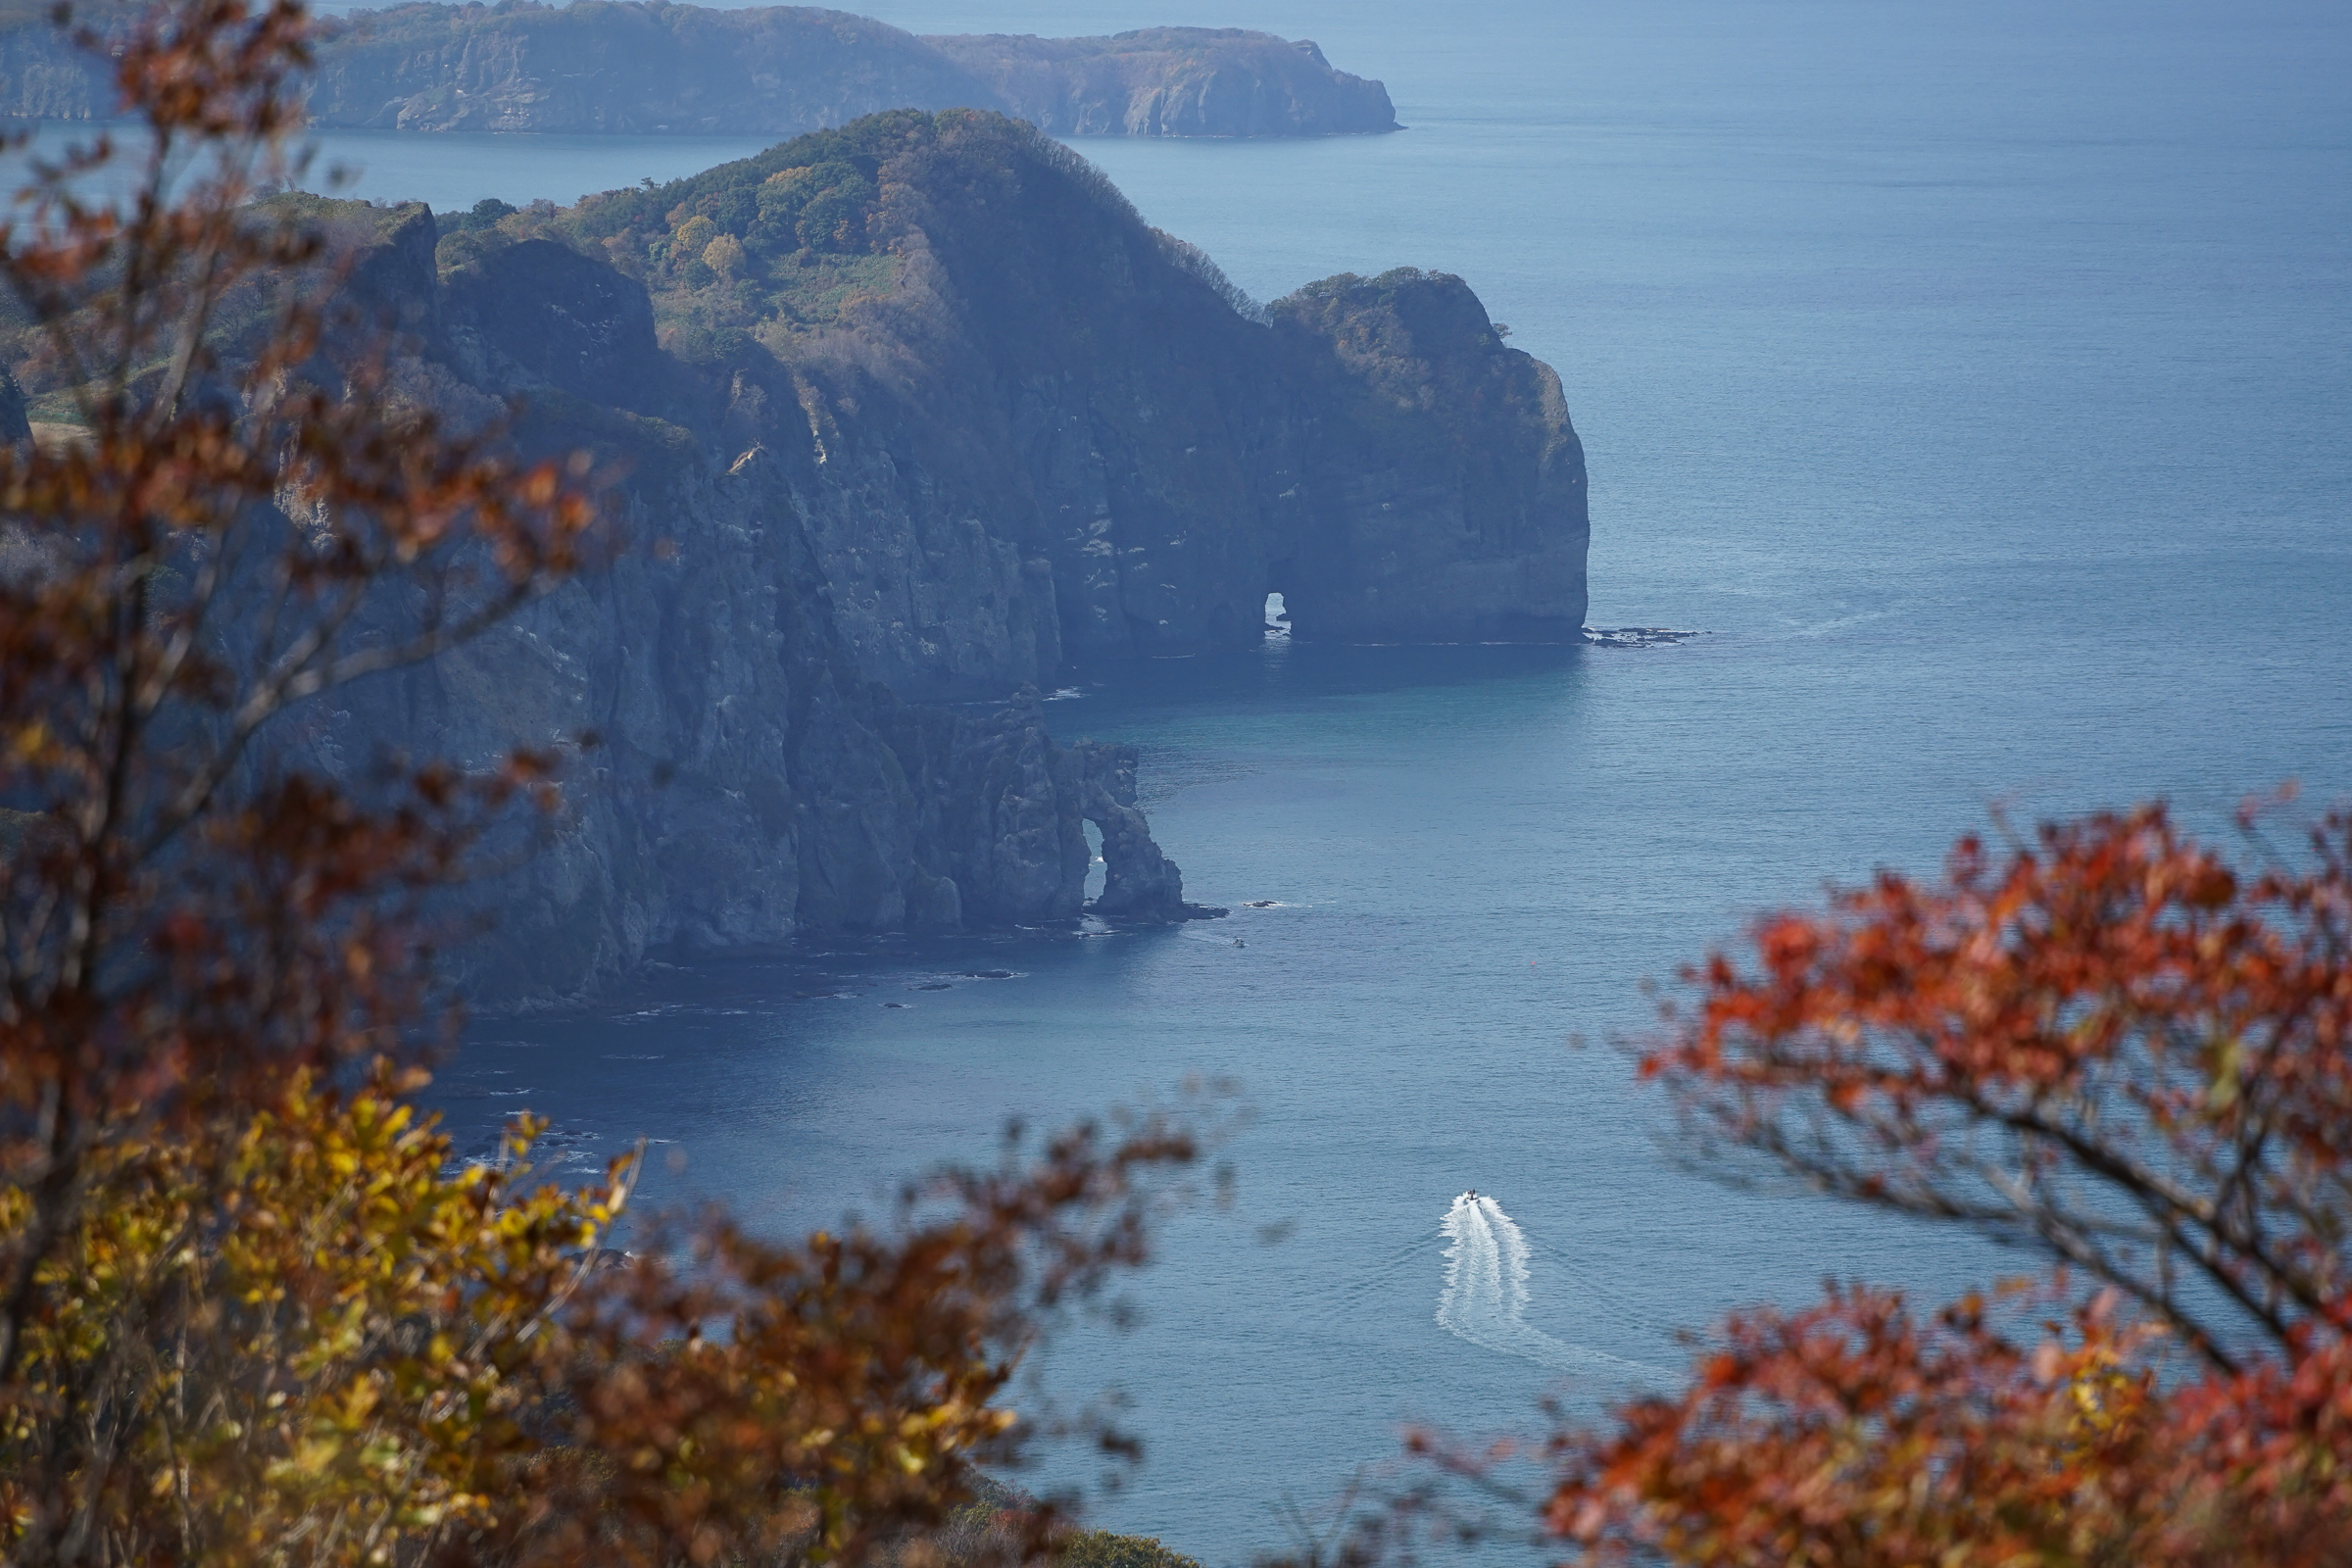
(2109, 1046)
(250, 1309)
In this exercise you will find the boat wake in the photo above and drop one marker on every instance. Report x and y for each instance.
(1484, 1300)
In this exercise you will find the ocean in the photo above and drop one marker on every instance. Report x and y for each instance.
(1976, 379)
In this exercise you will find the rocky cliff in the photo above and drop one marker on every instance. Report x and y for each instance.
(920, 408)
(1026, 431)
(747, 781)
(645, 66)
(1173, 81)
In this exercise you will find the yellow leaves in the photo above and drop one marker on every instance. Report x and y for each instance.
(33, 743)
(380, 1346)
(310, 1461)
(362, 1315)
(2224, 1065)
(2104, 1396)
(724, 255)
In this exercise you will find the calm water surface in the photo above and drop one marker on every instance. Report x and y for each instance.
(1975, 377)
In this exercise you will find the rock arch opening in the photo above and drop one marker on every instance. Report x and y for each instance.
(1137, 883)
(1097, 867)
(1281, 586)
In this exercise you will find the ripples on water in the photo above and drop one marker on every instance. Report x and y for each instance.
(1484, 1297)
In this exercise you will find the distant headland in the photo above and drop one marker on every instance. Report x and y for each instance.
(645, 67)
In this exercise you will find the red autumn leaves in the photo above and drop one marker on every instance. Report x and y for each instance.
(2107, 1044)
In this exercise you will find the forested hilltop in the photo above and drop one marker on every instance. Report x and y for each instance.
(651, 68)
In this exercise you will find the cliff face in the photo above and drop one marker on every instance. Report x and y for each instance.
(1444, 485)
(1173, 81)
(919, 407)
(1028, 429)
(646, 65)
(748, 782)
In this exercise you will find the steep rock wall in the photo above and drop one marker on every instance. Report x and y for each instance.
(746, 782)
(1050, 388)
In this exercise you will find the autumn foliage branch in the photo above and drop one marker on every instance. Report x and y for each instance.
(2108, 1044)
(252, 1309)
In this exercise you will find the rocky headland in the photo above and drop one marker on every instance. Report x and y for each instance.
(1173, 81)
(648, 67)
(1025, 430)
(912, 415)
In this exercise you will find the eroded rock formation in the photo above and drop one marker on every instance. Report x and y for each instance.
(1140, 882)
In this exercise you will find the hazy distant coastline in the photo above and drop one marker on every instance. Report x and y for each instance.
(628, 65)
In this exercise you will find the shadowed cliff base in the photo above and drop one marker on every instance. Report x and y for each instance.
(630, 66)
(919, 408)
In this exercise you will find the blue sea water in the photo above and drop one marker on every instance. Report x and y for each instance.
(1979, 378)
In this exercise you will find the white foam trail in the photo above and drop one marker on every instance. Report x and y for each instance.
(1484, 1300)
